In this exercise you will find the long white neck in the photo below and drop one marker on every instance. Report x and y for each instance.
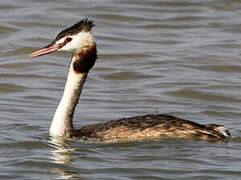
(62, 123)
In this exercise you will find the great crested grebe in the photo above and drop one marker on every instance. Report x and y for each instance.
(78, 40)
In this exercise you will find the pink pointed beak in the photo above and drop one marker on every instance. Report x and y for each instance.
(46, 50)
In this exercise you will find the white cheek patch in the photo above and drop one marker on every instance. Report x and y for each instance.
(76, 43)
(79, 41)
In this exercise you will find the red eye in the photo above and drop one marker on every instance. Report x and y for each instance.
(68, 39)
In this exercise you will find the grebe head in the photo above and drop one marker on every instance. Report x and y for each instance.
(73, 39)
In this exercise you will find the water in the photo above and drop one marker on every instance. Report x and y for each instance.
(176, 57)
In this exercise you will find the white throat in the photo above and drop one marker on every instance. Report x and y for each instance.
(62, 123)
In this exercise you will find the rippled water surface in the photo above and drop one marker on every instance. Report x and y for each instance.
(177, 57)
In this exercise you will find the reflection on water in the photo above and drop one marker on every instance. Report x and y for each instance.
(62, 154)
(176, 57)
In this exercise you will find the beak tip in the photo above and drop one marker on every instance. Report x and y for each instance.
(30, 55)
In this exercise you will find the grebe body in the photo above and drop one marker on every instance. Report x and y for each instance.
(79, 40)
(150, 127)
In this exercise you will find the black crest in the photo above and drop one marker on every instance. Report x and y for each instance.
(83, 25)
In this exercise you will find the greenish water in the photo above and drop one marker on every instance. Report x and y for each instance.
(176, 57)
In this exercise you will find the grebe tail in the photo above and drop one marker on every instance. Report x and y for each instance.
(79, 40)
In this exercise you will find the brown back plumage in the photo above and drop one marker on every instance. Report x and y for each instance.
(149, 127)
